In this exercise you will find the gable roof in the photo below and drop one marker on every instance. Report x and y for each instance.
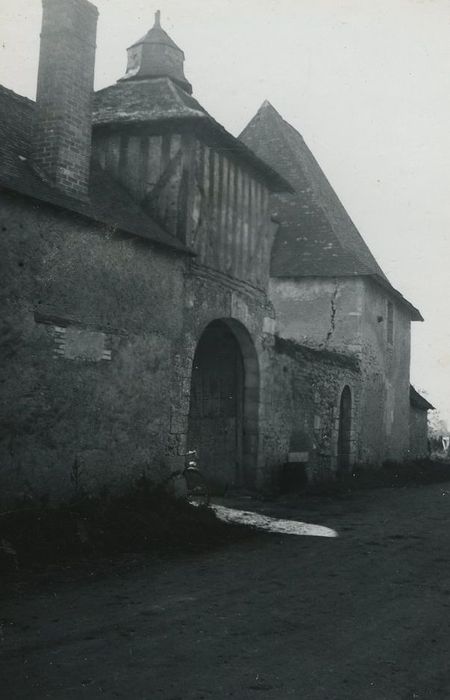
(316, 236)
(418, 401)
(156, 100)
(109, 203)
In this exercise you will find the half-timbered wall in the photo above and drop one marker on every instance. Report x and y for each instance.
(228, 225)
(199, 193)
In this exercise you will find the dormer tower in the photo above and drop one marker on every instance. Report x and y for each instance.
(157, 56)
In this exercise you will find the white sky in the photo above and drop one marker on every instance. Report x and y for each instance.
(367, 84)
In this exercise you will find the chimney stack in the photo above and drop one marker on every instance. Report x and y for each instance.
(63, 127)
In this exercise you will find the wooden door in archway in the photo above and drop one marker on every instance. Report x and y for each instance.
(217, 405)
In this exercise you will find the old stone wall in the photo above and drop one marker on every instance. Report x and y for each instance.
(350, 316)
(99, 335)
(324, 316)
(303, 402)
(321, 313)
(91, 322)
(210, 296)
(385, 368)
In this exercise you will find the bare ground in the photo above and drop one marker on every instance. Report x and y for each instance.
(365, 616)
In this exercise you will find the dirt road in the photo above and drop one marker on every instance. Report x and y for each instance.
(363, 616)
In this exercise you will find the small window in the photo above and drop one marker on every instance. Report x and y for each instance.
(390, 323)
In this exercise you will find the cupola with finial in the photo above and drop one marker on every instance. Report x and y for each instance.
(156, 56)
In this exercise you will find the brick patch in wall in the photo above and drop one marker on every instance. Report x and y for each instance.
(79, 344)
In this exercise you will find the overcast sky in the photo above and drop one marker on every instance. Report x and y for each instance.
(367, 84)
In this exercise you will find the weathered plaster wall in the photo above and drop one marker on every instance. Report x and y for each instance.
(349, 316)
(385, 367)
(320, 313)
(418, 433)
(290, 389)
(325, 315)
(99, 335)
(90, 323)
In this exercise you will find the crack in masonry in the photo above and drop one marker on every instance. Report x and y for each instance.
(333, 313)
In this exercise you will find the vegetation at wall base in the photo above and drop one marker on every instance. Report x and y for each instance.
(391, 475)
(145, 519)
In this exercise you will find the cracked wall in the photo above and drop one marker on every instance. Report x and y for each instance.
(320, 313)
(349, 316)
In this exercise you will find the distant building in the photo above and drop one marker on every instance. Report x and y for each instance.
(167, 286)
(418, 425)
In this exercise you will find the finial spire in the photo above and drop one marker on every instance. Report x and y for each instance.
(158, 18)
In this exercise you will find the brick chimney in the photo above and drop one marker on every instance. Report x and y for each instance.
(62, 132)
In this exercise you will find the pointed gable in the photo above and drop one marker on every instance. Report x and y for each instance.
(316, 237)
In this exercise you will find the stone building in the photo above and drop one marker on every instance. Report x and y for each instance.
(329, 293)
(155, 295)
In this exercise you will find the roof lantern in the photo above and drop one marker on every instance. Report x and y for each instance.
(157, 56)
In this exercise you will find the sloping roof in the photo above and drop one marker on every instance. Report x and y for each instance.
(157, 35)
(418, 401)
(109, 203)
(147, 100)
(16, 118)
(316, 237)
(157, 100)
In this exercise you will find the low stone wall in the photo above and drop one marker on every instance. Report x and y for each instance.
(302, 410)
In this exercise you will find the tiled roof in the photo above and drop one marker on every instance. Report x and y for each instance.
(316, 237)
(109, 203)
(154, 99)
(158, 100)
(157, 35)
(418, 401)
(16, 115)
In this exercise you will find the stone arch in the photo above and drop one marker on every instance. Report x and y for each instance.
(344, 450)
(224, 404)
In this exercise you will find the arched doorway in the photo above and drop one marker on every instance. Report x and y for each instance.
(224, 404)
(345, 427)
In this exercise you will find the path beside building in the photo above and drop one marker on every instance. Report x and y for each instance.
(364, 615)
